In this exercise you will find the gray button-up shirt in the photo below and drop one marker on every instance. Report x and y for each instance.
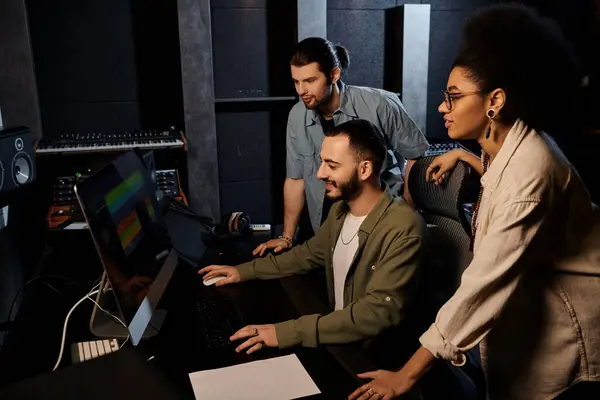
(382, 108)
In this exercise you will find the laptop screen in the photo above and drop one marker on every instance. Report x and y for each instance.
(124, 218)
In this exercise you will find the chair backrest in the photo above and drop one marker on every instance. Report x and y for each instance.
(448, 254)
(446, 200)
(442, 207)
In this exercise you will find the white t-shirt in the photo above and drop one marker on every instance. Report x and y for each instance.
(344, 252)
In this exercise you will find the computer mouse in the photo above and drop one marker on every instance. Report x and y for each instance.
(213, 280)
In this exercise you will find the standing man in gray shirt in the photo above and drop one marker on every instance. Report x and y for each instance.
(316, 68)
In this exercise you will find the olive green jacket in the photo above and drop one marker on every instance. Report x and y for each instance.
(379, 284)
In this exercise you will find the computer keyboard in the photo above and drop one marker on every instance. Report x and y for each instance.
(217, 318)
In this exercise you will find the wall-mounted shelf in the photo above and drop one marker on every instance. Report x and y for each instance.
(254, 99)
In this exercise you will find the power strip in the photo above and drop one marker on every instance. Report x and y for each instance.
(260, 227)
(84, 351)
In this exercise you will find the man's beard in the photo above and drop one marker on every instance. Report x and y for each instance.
(318, 102)
(349, 190)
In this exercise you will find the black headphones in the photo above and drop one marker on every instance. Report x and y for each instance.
(233, 225)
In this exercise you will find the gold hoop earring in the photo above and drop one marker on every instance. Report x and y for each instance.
(491, 114)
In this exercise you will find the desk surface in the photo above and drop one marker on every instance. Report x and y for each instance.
(32, 347)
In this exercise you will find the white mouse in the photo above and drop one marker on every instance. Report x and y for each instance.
(213, 280)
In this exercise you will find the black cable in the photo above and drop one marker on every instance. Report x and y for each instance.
(22, 288)
(153, 327)
(53, 288)
(182, 208)
(179, 207)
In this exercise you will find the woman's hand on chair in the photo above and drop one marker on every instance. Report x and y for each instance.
(441, 165)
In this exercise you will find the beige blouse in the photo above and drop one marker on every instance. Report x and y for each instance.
(531, 295)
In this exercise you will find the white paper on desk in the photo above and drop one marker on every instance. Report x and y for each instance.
(280, 378)
(76, 226)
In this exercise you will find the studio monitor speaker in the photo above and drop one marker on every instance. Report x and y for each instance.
(17, 159)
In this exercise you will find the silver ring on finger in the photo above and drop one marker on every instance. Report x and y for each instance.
(255, 331)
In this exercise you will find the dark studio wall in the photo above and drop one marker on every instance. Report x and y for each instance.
(198, 102)
(580, 23)
(115, 66)
(18, 92)
(19, 106)
(106, 65)
(252, 42)
(360, 25)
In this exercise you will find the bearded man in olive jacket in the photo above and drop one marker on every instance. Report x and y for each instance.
(370, 246)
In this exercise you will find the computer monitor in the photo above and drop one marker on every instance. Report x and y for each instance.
(129, 233)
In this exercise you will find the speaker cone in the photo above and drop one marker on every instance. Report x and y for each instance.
(21, 170)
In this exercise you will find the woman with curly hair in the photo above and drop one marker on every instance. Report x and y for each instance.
(531, 295)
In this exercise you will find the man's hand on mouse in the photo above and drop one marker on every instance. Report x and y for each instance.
(231, 274)
(260, 336)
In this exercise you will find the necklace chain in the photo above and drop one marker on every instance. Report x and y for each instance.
(351, 239)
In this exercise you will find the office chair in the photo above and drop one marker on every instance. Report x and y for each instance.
(448, 255)
(449, 226)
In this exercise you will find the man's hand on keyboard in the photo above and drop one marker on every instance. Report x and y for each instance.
(231, 274)
(260, 336)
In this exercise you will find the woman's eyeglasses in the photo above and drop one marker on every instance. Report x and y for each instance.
(449, 97)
